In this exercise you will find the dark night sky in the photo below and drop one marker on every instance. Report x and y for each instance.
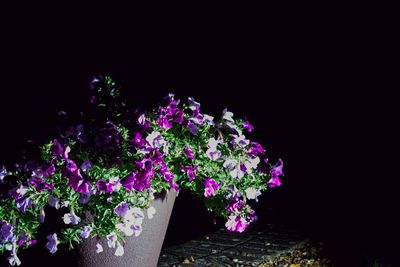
(309, 85)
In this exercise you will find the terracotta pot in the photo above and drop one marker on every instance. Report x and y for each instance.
(143, 250)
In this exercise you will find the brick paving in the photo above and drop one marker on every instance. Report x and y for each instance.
(258, 243)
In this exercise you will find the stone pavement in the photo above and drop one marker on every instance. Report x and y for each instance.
(258, 243)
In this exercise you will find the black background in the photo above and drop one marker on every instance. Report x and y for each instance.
(313, 83)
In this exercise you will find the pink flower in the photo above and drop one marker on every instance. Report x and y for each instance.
(211, 187)
(236, 224)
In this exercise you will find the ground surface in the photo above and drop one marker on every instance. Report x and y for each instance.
(259, 245)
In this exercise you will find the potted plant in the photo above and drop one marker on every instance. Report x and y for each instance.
(109, 178)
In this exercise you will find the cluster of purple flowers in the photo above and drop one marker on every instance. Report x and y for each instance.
(174, 146)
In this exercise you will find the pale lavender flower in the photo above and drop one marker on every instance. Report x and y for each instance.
(13, 259)
(192, 127)
(111, 240)
(155, 140)
(54, 202)
(24, 203)
(86, 165)
(86, 231)
(210, 187)
(52, 243)
(42, 216)
(240, 140)
(208, 119)
(234, 168)
(71, 218)
(213, 154)
(3, 173)
(121, 209)
(99, 248)
(227, 115)
(190, 171)
(193, 105)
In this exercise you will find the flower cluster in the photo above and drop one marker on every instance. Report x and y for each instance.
(104, 176)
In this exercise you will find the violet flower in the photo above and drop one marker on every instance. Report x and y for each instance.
(6, 232)
(210, 187)
(190, 171)
(255, 149)
(86, 165)
(192, 127)
(275, 172)
(189, 153)
(121, 209)
(56, 148)
(105, 186)
(52, 243)
(86, 231)
(54, 202)
(247, 126)
(236, 224)
(155, 140)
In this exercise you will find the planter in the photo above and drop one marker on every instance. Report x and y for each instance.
(143, 250)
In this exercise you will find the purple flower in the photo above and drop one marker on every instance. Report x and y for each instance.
(77, 182)
(54, 202)
(178, 116)
(138, 180)
(24, 203)
(18, 192)
(247, 126)
(52, 243)
(39, 184)
(190, 171)
(6, 232)
(121, 209)
(86, 231)
(235, 205)
(189, 153)
(105, 186)
(70, 165)
(138, 140)
(42, 216)
(56, 148)
(142, 121)
(192, 127)
(3, 173)
(210, 187)
(164, 123)
(275, 172)
(255, 149)
(236, 224)
(80, 134)
(86, 165)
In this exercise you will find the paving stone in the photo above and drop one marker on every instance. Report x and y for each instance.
(224, 248)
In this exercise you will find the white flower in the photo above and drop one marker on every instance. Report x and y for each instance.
(71, 218)
(3, 173)
(65, 204)
(230, 163)
(120, 250)
(234, 167)
(142, 119)
(150, 212)
(251, 164)
(213, 153)
(137, 229)
(125, 228)
(240, 140)
(212, 143)
(193, 105)
(155, 140)
(252, 193)
(227, 115)
(99, 248)
(13, 259)
(134, 216)
(208, 119)
(111, 240)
